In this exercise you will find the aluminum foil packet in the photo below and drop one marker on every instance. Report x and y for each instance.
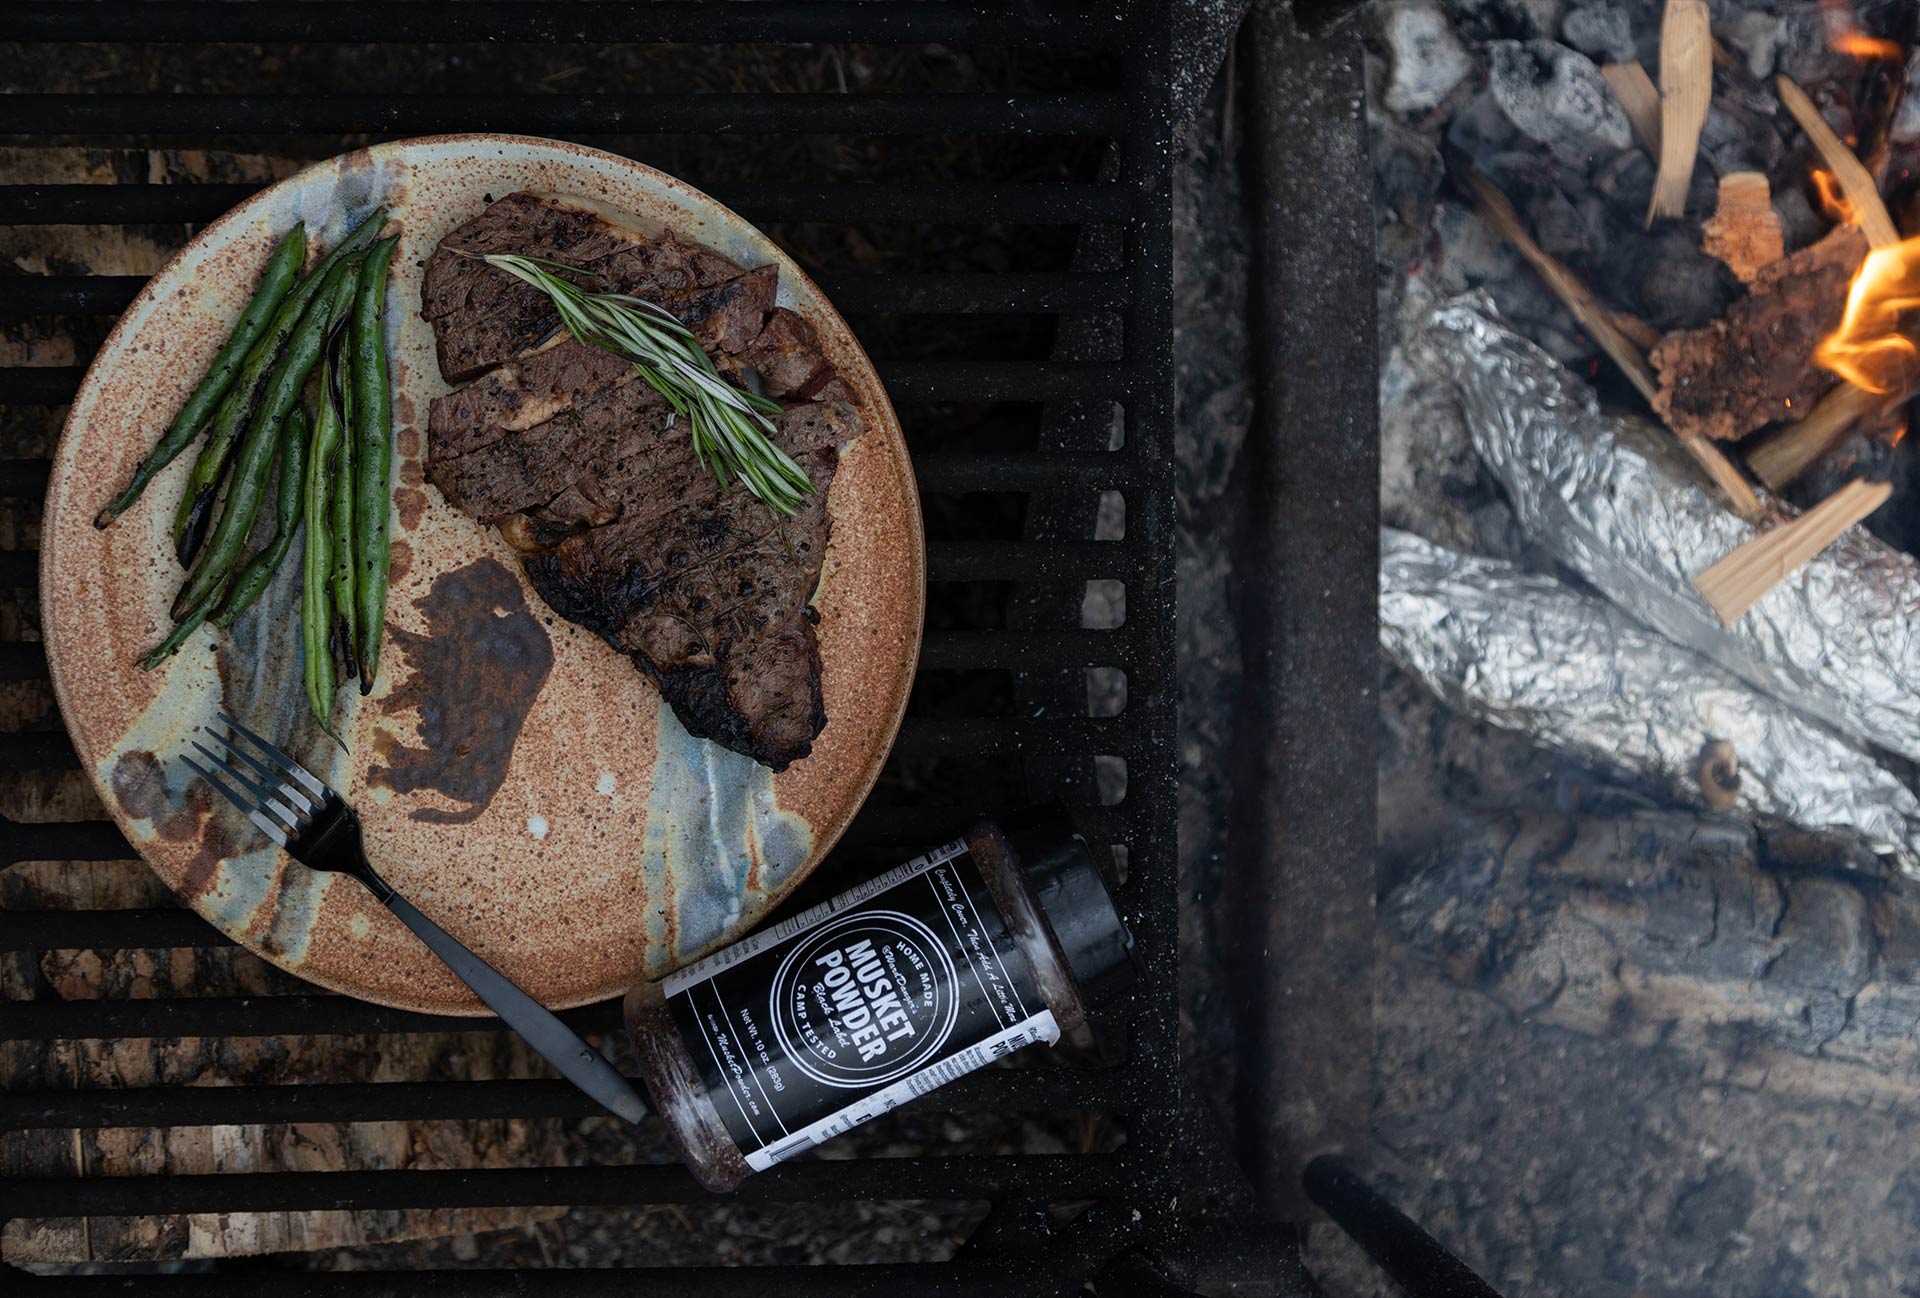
(1614, 498)
(1528, 653)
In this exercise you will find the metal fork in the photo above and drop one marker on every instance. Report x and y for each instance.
(319, 829)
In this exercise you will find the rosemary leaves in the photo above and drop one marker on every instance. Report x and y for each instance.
(730, 430)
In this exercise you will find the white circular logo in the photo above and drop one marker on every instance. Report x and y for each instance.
(864, 1000)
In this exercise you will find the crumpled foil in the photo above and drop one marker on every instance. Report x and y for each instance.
(1525, 652)
(1614, 498)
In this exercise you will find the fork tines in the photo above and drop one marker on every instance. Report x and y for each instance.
(284, 795)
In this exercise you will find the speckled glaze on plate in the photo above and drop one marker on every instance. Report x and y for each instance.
(518, 779)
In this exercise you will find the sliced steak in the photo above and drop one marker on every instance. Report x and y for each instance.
(482, 316)
(590, 475)
(709, 592)
(786, 355)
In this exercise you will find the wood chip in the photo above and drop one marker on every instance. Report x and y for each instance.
(1641, 334)
(1686, 90)
(1598, 320)
(1640, 98)
(1750, 367)
(1744, 230)
(1784, 455)
(1593, 315)
(1869, 209)
(1742, 579)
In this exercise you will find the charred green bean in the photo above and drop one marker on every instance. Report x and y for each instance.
(340, 520)
(276, 281)
(316, 621)
(254, 456)
(373, 459)
(288, 491)
(234, 412)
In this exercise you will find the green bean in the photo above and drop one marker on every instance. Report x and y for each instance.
(283, 267)
(187, 626)
(204, 482)
(373, 458)
(258, 574)
(340, 520)
(196, 504)
(254, 457)
(316, 556)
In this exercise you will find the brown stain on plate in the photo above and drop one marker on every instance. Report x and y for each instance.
(410, 503)
(471, 678)
(556, 879)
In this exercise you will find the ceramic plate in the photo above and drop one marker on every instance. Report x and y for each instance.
(518, 778)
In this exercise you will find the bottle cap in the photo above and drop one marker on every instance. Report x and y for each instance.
(1074, 898)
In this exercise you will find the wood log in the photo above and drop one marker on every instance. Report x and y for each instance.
(1744, 231)
(1696, 935)
(1750, 367)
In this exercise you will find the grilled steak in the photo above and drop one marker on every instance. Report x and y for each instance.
(481, 318)
(591, 478)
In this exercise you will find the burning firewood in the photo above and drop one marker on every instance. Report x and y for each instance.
(1742, 579)
(1599, 321)
(1868, 348)
(1868, 209)
(1749, 368)
(1686, 90)
(1744, 230)
(1784, 455)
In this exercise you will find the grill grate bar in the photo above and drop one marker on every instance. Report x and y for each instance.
(1039, 293)
(215, 116)
(48, 750)
(1030, 561)
(946, 561)
(26, 479)
(76, 840)
(250, 1016)
(987, 1277)
(581, 22)
(1013, 204)
(20, 660)
(1085, 1176)
(158, 927)
(990, 1090)
(53, 385)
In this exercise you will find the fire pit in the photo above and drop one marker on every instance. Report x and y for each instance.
(1645, 598)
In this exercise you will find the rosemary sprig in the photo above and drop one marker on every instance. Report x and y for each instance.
(730, 430)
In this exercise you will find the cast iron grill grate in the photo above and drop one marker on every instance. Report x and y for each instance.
(1057, 398)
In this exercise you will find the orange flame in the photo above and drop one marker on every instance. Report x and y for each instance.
(1864, 47)
(1845, 37)
(1869, 350)
(1833, 200)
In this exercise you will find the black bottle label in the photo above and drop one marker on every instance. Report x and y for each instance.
(846, 1010)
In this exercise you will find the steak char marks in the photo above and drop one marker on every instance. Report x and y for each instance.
(589, 476)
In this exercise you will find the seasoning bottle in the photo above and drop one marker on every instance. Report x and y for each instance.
(833, 1016)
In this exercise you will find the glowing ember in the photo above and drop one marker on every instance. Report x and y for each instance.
(1845, 37)
(1869, 350)
(1833, 200)
(1864, 47)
